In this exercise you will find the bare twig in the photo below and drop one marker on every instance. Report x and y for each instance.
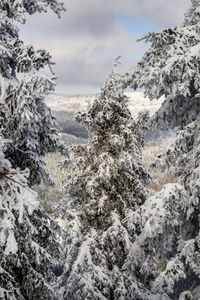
(8, 97)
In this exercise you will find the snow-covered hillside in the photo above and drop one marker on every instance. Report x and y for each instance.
(75, 103)
(69, 103)
(65, 108)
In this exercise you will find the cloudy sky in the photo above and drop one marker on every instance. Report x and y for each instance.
(92, 33)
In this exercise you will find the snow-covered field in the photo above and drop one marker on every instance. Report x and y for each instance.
(65, 107)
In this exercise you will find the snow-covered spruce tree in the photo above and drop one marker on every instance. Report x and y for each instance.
(28, 246)
(24, 117)
(107, 182)
(168, 245)
(170, 68)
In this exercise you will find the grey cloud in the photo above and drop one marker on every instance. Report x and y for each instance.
(88, 60)
(85, 41)
(162, 12)
(96, 16)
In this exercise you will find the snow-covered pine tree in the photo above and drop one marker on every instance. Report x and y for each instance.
(107, 182)
(168, 246)
(170, 68)
(24, 117)
(28, 242)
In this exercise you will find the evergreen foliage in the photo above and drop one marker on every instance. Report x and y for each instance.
(166, 252)
(29, 250)
(170, 68)
(28, 242)
(168, 246)
(24, 118)
(107, 183)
